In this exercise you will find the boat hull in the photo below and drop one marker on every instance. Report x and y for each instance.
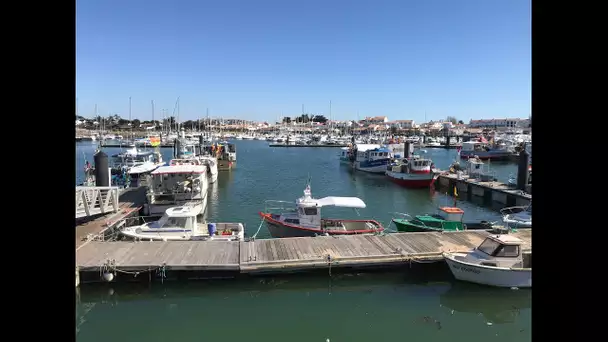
(177, 235)
(514, 220)
(411, 180)
(406, 227)
(277, 229)
(517, 224)
(486, 155)
(410, 228)
(488, 275)
(372, 166)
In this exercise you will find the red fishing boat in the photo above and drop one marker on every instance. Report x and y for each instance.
(412, 171)
(306, 219)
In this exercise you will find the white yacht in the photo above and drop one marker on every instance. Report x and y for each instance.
(180, 223)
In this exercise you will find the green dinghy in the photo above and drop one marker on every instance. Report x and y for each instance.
(450, 219)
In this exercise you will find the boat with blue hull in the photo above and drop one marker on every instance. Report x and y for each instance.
(367, 157)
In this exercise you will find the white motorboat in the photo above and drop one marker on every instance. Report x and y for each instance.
(497, 261)
(179, 223)
(517, 217)
(137, 162)
(367, 157)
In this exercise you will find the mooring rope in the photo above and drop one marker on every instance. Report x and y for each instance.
(110, 266)
(259, 227)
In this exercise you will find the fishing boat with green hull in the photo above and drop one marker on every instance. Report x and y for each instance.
(449, 219)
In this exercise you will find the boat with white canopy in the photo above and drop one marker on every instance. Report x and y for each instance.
(305, 219)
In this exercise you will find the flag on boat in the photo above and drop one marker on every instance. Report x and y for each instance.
(154, 141)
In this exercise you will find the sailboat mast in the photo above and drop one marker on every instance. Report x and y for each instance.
(178, 122)
(330, 117)
(130, 123)
(98, 123)
(152, 102)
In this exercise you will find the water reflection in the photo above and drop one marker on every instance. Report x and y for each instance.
(499, 306)
(303, 308)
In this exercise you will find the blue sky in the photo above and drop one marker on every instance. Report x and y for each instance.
(260, 59)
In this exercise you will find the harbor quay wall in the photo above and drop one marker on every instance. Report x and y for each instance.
(487, 192)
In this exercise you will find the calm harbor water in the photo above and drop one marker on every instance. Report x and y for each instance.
(368, 307)
(360, 307)
(265, 173)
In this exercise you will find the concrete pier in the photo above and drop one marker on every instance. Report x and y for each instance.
(490, 191)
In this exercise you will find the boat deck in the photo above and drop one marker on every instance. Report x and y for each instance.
(281, 255)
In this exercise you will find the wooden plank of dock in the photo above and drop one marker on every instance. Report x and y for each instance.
(282, 255)
(131, 201)
(176, 255)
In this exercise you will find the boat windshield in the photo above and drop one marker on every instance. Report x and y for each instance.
(179, 222)
(489, 246)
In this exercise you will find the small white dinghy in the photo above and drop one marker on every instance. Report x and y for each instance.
(517, 217)
(497, 261)
(179, 223)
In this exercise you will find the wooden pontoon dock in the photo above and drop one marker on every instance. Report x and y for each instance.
(274, 255)
(96, 220)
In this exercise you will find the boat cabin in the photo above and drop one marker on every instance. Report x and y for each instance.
(184, 161)
(186, 150)
(224, 151)
(179, 181)
(308, 210)
(133, 157)
(415, 164)
(477, 169)
(452, 213)
(177, 217)
(377, 153)
(359, 152)
(474, 146)
(501, 251)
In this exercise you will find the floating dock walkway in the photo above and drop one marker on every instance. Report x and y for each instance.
(193, 258)
(490, 191)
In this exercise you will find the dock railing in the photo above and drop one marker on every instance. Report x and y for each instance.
(92, 200)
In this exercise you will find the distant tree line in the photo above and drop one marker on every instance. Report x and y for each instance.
(305, 118)
(115, 122)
